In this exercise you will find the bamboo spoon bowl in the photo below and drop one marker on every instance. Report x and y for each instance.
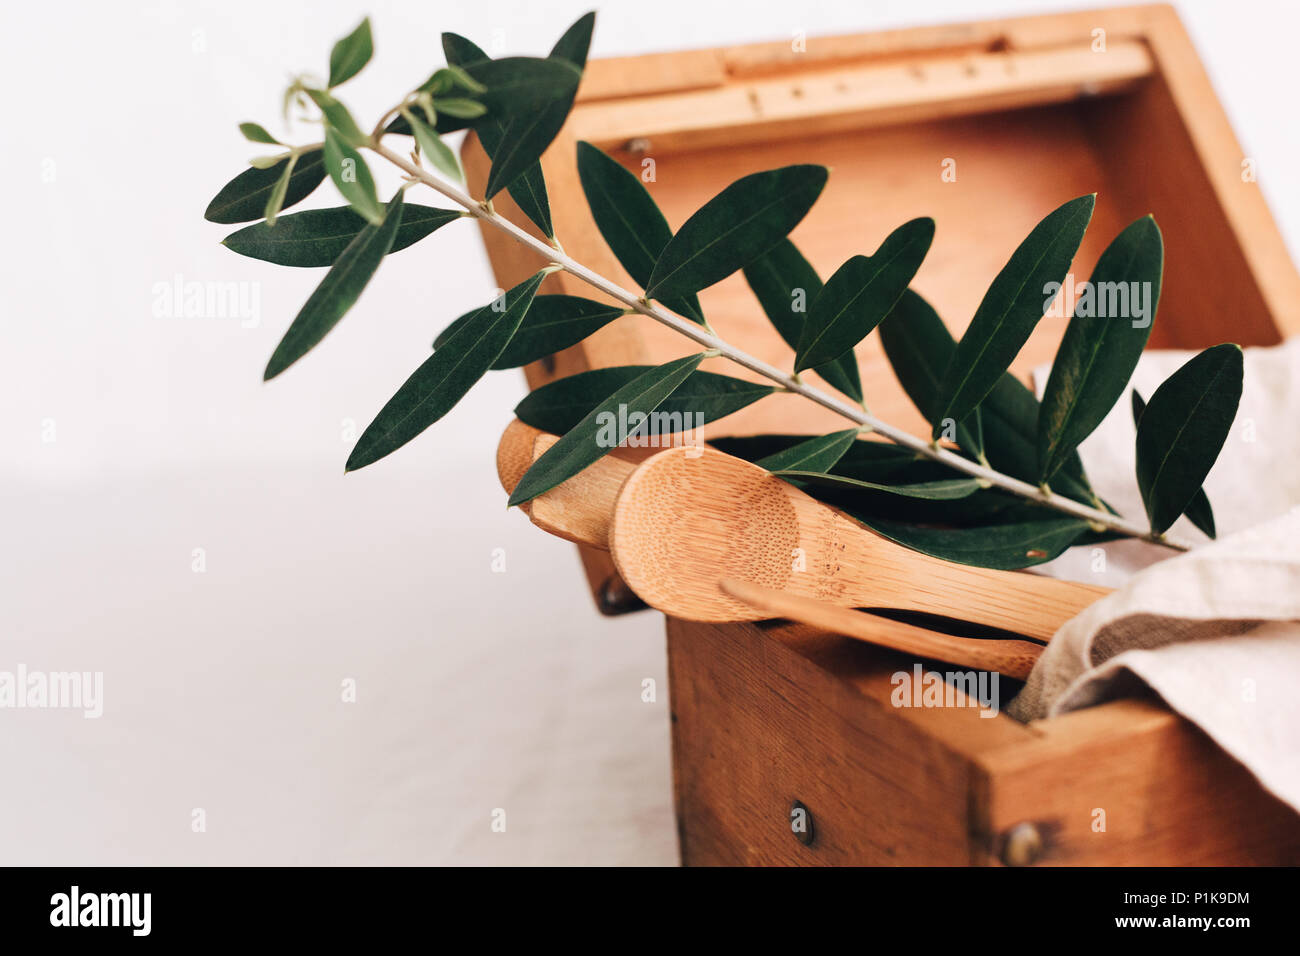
(689, 517)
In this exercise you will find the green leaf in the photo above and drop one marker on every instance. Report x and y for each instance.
(268, 162)
(529, 188)
(523, 142)
(1199, 512)
(782, 279)
(244, 198)
(576, 41)
(338, 118)
(432, 146)
(460, 107)
(317, 237)
(351, 53)
(1183, 429)
(351, 176)
(734, 228)
(522, 85)
(945, 490)
(255, 133)
(555, 322)
(451, 77)
(1010, 427)
(815, 454)
(526, 138)
(1011, 307)
(443, 378)
(558, 406)
(919, 348)
(1098, 353)
(1001, 546)
(629, 220)
(276, 199)
(338, 291)
(588, 441)
(861, 293)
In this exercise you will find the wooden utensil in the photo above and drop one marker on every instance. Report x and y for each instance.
(1009, 657)
(687, 518)
(515, 452)
(579, 509)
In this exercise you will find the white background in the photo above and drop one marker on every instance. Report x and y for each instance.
(476, 690)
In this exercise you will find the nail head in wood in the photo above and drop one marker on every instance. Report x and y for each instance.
(1022, 845)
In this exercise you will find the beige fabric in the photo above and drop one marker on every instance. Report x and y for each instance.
(1215, 632)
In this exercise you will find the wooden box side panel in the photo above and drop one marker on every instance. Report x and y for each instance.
(1129, 783)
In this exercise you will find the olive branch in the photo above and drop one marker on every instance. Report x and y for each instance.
(999, 482)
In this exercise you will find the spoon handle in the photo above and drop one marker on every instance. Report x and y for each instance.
(1011, 658)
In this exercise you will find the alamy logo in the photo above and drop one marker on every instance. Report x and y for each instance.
(75, 908)
(1101, 300)
(921, 688)
(650, 430)
(22, 689)
(179, 299)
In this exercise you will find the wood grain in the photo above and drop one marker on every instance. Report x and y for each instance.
(687, 517)
(1010, 658)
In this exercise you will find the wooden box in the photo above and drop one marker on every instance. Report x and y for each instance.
(1027, 113)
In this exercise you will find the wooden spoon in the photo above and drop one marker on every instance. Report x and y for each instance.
(579, 509)
(1009, 657)
(515, 452)
(687, 518)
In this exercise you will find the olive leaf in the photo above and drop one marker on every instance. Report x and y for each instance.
(443, 378)
(317, 237)
(861, 293)
(432, 146)
(1099, 352)
(351, 176)
(629, 220)
(707, 396)
(1001, 546)
(460, 107)
(338, 291)
(784, 282)
(735, 227)
(244, 198)
(522, 85)
(529, 188)
(527, 136)
(943, 490)
(1182, 431)
(815, 454)
(589, 441)
(553, 323)
(276, 199)
(351, 54)
(256, 133)
(919, 348)
(1012, 306)
(1199, 512)
(338, 118)
(1009, 414)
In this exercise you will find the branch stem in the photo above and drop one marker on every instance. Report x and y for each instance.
(790, 383)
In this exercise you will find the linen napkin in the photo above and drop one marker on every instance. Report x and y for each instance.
(1216, 631)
